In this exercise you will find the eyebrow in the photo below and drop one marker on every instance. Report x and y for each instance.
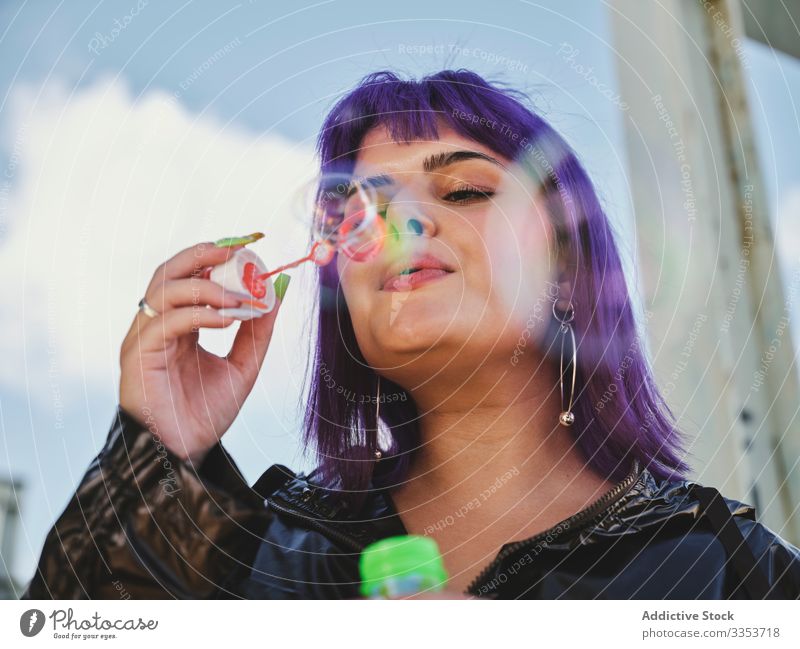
(439, 160)
(429, 165)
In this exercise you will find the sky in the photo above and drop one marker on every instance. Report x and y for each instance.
(130, 130)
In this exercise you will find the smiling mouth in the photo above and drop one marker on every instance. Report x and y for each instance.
(412, 278)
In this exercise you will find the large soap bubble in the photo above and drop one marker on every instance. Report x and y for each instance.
(343, 213)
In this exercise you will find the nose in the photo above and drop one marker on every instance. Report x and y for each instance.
(406, 217)
(414, 225)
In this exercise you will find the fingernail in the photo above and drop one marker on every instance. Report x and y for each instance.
(227, 242)
(281, 284)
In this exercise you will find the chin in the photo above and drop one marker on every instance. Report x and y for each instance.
(435, 327)
(407, 324)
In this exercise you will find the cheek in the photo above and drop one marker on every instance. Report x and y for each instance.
(353, 282)
(519, 259)
(357, 286)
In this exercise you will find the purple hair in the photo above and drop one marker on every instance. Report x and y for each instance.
(619, 412)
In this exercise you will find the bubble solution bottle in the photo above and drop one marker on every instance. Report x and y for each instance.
(399, 566)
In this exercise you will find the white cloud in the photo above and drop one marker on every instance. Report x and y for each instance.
(106, 186)
(100, 187)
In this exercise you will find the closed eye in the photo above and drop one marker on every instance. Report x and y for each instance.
(468, 195)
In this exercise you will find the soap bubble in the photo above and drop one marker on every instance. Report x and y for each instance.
(343, 213)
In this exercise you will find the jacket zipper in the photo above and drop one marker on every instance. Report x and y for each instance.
(280, 505)
(584, 517)
(596, 510)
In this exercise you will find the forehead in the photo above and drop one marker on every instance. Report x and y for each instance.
(379, 153)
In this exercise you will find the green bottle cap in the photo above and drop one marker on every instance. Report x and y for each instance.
(401, 565)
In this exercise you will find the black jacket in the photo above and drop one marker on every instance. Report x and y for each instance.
(144, 524)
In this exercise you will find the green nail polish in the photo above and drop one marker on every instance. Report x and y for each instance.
(281, 284)
(227, 242)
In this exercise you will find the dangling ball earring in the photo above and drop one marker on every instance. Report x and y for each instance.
(567, 417)
(378, 454)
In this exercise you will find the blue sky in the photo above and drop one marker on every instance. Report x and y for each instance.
(96, 195)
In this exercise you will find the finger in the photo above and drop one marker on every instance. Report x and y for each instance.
(192, 261)
(175, 323)
(252, 341)
(176, 293)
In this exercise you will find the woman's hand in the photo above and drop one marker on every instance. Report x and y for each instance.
(180, 391)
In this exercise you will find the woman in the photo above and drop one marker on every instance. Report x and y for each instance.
(493, 337)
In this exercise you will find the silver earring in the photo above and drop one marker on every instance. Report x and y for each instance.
(567, 417)
(378, 453)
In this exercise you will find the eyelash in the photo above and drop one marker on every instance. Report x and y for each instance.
(476, 192)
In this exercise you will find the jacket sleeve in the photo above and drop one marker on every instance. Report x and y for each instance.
(778, 558)
(145, 524)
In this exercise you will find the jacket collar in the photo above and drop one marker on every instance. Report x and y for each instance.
(650, 502)
(638, 502)
(301, 497)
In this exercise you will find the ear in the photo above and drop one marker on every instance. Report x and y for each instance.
(564, 296)
(566, 275)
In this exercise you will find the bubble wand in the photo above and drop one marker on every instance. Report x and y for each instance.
(345, 218)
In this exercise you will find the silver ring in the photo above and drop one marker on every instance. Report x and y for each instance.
(145, 308)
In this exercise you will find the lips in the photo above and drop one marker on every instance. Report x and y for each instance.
(410, 274)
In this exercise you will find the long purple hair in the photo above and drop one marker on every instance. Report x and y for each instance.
(619, 411)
